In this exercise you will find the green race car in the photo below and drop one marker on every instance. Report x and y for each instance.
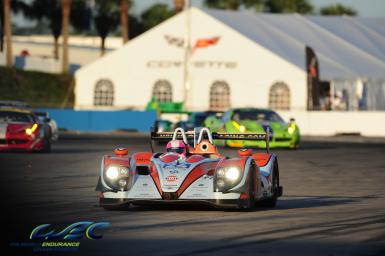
(283, 135)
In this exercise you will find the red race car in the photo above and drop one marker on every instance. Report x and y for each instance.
(21, 130)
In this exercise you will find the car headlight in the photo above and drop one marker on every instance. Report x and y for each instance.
(227, 177)
(232, 174)
(112, 172)
(291, 128)
(30, 131)
(117, 177)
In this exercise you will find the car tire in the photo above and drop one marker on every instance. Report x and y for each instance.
(46, 145)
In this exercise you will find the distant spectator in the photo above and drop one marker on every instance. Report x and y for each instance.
(24, 53)
(338, 102)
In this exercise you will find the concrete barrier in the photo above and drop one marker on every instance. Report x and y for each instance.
(102, 121)
(329, 123)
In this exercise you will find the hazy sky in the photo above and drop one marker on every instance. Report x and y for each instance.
(369, 8)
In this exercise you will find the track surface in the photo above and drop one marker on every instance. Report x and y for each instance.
(333, 204)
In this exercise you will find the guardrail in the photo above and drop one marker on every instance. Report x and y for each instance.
(102, 121)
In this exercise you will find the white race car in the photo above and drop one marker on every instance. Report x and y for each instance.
(199, 174)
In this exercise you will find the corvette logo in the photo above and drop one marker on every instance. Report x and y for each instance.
(199, 43)
(171, 178)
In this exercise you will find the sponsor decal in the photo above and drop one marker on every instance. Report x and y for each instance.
(45, 238)
(171, 178)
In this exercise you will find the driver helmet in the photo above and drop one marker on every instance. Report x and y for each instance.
(176, 146)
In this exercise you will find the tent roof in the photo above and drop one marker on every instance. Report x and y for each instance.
(347, 47)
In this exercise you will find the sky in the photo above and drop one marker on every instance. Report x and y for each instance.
(367, 8)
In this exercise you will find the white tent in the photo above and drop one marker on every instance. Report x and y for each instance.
(248, 56)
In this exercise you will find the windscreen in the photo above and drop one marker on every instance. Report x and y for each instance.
(15, 117)
(257, 115)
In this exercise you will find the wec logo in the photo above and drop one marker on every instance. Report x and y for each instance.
(71, 232)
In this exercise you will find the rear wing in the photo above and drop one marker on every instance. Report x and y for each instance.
(180, 134)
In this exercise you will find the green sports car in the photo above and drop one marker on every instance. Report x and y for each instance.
(283, 135)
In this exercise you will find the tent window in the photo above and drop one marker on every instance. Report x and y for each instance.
(279, 97)
(104, 93)
(162, 91)
(219, 96)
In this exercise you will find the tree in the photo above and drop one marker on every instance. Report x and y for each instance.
(178, 5)
(289, 6)
(338, 9)
(125, 6)
(105, 19)
(66, 8)
(8, 31)
(80, 16)
(1, 27)
(155, 15)
(274, 6)
(223, 4)
(49, 10)
(258, 5)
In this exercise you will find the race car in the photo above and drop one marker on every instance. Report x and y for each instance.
(20, 129)
(197, 119)
(283, 135)
(190, 174)
(42, 116)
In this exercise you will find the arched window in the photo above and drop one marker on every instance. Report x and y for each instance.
(219, 96)
(104, 93)
(162, 91)
(279, 96)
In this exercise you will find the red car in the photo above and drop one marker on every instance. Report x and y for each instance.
(21, 130)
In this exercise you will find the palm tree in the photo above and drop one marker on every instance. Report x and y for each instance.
(178, 5)
(66, 8)
(106, 20)
(8, 31)
(125, 5)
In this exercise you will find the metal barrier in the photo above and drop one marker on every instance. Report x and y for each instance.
(102, 121)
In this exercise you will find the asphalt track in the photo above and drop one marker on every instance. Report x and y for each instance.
(333, 204)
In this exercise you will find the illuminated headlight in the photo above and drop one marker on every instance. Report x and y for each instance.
(28, 131)
(242, 128)
(112, 172)
(233, 174)
(227, 177)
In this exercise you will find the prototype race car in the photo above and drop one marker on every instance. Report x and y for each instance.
(195, 173)
(21, 129)
(283, 135)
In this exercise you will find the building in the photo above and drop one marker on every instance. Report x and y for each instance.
(241, 59)
(36, 52)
